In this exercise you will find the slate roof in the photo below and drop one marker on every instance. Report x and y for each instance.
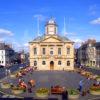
(97, 45)
(41, 38)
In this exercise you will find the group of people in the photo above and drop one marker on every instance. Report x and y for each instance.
(28, 86)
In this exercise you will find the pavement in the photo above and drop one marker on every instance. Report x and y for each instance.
(95, 71)
(52, 78)
(11, 68)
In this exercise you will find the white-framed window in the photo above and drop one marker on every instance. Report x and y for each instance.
(51, 52)
(43, 51)
(35, 51)
(43, 63)
(68, 50)
(59, 62)
(59, 51)
(35, 63)
(68, 63)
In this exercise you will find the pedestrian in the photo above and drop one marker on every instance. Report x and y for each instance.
(80, 66)
(29, 89)
(65, 95)
(80, 86)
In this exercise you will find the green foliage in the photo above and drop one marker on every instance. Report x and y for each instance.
(73, 92)
(42, 91)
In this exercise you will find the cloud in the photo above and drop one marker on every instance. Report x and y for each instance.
(93, 9)
(78, 42)
(68, 33)
(26, 44)
(1, 39)
(20, 46)
(95, 21)
(5, 32)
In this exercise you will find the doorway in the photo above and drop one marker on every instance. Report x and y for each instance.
(51, 65)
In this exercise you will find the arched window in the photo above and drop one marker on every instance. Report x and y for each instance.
(35, 63)
(59, 62)
(68, 63)
(43, 62)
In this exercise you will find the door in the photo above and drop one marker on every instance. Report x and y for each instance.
(51, 65)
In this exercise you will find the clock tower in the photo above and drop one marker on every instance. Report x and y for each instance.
(51, 27)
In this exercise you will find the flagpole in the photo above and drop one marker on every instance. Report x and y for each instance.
(64, 27)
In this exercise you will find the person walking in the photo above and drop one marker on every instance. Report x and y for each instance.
(65, 95)
(80, 86)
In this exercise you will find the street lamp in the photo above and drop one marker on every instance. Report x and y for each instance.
(6, 72)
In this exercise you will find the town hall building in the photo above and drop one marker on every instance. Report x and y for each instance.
(52, 51)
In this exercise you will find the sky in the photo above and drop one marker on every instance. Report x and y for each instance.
(19, 18)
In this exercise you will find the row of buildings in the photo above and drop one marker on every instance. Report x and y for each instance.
(52, 51)
(9, 57)
(88, 53)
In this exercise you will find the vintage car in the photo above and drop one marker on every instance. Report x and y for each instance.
(57, 89)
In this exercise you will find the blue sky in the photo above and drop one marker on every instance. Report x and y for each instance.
(18, 19)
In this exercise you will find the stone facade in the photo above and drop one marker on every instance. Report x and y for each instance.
(52, 51)
(89, 54)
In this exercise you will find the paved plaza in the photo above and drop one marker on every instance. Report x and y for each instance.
(52, 78)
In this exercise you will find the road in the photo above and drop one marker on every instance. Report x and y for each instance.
(95, 71)
(12, 69)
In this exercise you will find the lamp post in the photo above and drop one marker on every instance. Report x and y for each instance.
(6, 72)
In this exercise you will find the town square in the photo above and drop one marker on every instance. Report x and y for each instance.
(50, 49)
(47, 79)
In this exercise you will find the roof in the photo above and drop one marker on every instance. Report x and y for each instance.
(41, 38)
(4, 46)
(97, 45)
(84, 46)
(51, 22)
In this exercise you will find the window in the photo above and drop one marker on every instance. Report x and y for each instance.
(68, 63)
(43, 62)
(2, 57)
(59, 62)
(51, 52)
(68, 50)
(35, 63)
(35, 51)
(59, 51)
(43, 51)
(2, 61)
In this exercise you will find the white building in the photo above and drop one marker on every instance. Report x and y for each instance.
(6, 55)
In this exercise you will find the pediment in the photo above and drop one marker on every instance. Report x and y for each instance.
(51, 39)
